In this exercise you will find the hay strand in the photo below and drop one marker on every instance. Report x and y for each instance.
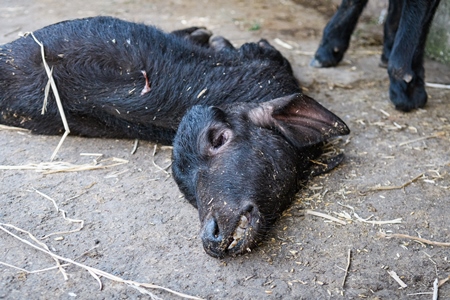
(395, 221)
(135, 146)
(283, 44)
(418, 239)
(64, 215)
(347, 216)
(441, 282)
(435, 289)
(11, 128)
(395, 187)
(322, 215)
(437, 85)
(349, 256)
(32, 272)
(57, 98)
(435, 135)
(154, 163)
(43, 245)
(46, 93)
(397, 278)
(57, 167)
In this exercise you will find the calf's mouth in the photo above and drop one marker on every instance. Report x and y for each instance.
(234, 237)
(239, 233)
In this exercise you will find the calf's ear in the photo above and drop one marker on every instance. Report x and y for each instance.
(299, 118)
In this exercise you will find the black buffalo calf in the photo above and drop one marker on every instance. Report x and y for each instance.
(242, 132)
(405, 33)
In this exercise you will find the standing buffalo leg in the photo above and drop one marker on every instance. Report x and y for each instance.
(405, 34)
(337, 33)
(390, 30)
(405, 65)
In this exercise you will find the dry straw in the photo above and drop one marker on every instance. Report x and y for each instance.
(51, 83)
(59, 166)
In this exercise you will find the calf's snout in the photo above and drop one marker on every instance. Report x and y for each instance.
(228, 233)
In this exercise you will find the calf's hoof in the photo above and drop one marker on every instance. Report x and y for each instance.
(219, 43)
(200, 36)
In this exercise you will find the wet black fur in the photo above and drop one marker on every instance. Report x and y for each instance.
(97, 64)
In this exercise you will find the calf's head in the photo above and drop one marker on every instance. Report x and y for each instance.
(240, 164)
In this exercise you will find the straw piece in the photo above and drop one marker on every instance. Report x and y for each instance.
(437, 85)
(349, 256)
(12, 128)
(396, 278)
(57, 98)
(405, 236)
(56, 167)
(322, 215)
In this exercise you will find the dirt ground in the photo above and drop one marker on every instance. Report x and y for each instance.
(138, 227)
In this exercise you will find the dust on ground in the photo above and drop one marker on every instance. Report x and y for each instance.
(138, 227)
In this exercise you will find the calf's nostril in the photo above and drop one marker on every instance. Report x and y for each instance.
(248, 211)
(211, 231)
(248, 208)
